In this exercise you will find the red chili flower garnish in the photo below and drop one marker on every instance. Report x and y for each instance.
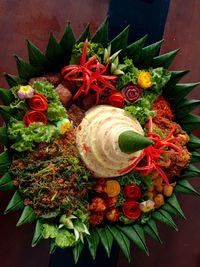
(89, 74)
(131, 93)
(131, 210)
(38, 102)
(34, 116)
(132, 192)
(153, 155)
(116, 100)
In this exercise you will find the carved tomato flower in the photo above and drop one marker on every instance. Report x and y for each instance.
(131, 210)
(132, 192)
(131, 93)
(38, 102)
(34, 116)
(25, 92)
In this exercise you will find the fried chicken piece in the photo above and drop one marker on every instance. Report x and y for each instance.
(96, 218)
(162, 108)
(97, 205)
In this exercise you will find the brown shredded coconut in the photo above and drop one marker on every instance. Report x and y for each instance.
(52, 177)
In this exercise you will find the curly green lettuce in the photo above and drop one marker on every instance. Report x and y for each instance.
(55, 111)
(25, 137)
(93, 49)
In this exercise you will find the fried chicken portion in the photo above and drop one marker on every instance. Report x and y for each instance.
(164, 122)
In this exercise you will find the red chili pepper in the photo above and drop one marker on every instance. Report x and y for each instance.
(153, 154)
(116, 100)
(131, 210)
(89, 74)
(34, 116)
(132, 192)
(38, 102)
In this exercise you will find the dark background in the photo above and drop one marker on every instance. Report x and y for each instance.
(27, 19)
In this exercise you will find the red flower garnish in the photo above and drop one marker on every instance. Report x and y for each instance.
(132, 192)
(131, 93)
(131, 210)
(153, 155)
(34, 116)
(116, 100)
(38, 102)
(89, 75)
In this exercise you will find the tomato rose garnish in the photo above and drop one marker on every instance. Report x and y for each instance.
(132, 192)
(116, 100)
(38, 102)
(131, 210)
(131, 93)
(34, 116)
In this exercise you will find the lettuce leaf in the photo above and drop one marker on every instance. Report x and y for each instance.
(63, 238)
(55, 111)
(26, 137)
(160, 77)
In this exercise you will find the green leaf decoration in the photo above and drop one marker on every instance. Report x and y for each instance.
(190, 123)
(38, 233)
(28, 215)
(122, 240)
(165, 60)
(172, 206)
(6, 96)
(53, 52)
(4, 167)
(52, 247)
(101, 35)
(183, 186)
(5, 111)
(85, 34)
(130, 141)
(180, 91)
(16, 203)
(14, 80)
(149, 52)
(3, 136)
(4, 157)
(164, 217)
(190, 172)
(134, 50)
(67, 41)
(120, 42)
(195, 156)
(93, 242)
(176, 76)
(151, 230)
(6, 182)
(36, 58)
(106, 239)
(26, 70)
(185, 107)
(194, 142)
(77, 251)
(136, 234)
